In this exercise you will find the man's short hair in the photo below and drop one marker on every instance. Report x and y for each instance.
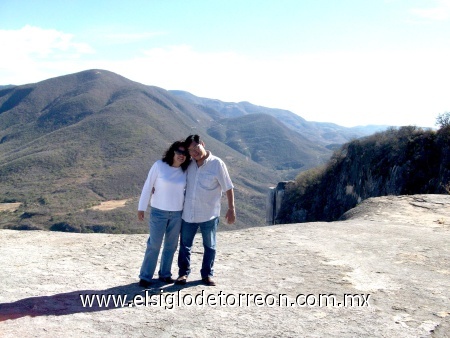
(192, 138)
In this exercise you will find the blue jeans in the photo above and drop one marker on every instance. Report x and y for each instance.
(188, 231)
(163, 224)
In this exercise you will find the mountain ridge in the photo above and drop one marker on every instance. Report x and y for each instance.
(324, 133)
(268, 141)
(71, 142)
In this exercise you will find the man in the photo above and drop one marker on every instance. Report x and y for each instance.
(207, 179)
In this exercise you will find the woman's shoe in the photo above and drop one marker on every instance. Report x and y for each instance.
(144, 283)
(167, 280)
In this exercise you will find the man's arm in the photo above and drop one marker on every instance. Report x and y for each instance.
(231, 213)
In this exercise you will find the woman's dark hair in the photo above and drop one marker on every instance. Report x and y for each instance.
(168, 156)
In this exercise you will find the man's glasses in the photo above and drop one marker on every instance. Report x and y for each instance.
(181, 152)
(194, 148)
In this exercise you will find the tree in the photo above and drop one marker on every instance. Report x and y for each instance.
(443, 120)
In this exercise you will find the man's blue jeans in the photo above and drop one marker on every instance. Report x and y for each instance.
(188, 231)
(163, 224)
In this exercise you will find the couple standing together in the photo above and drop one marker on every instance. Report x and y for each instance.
(184, 195)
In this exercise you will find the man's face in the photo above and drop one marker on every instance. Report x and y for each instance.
(197, 151)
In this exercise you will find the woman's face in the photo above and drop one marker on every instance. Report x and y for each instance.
(179, 156)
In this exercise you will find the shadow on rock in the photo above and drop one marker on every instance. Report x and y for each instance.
(89, 300)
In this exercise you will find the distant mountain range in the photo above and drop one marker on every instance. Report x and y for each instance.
(71, 142)
(322, 133)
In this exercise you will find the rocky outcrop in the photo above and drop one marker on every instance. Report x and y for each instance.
(397, 162)
(273, 202)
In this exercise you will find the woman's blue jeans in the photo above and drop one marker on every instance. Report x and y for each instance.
(163, 224)
(188, 231)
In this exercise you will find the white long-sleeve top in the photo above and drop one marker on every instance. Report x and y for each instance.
(169, 183)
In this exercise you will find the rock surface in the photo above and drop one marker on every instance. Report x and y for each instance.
(391, 253)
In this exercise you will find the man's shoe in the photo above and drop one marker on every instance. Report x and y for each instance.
(167, 280)
(182, 280)
(208, 281)
(145, 284)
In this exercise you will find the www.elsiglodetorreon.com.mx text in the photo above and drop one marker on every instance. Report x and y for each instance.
(221, 299)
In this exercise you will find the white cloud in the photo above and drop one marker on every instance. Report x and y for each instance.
(130, 37)
(440, 12)
(38, 42)
(26, 52)
(347, 88)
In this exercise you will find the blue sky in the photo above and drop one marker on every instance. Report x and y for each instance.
(350, 62)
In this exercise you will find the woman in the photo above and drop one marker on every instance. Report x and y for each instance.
(164, 188)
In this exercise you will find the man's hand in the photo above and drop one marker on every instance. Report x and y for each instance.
(231, 213)
(230, 216)
(140, 215)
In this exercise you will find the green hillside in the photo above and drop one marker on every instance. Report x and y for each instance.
(267, 141)
(72, 142)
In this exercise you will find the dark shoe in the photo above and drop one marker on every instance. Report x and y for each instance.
(167, 280)
(208, 281)
(145, 284)
(182, 280)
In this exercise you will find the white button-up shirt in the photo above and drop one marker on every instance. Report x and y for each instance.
(204, 189)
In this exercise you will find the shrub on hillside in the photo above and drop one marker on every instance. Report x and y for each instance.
(443, 120)
(64, 227)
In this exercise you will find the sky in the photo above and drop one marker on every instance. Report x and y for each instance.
(349, 62)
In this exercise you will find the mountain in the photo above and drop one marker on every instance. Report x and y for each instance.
(322, 133)
(266, 140)
(69, 143)
(6, 86)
